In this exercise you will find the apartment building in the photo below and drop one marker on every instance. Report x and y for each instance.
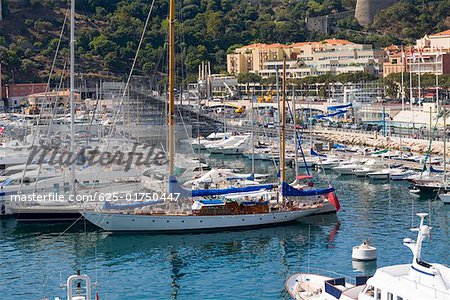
(430, 54)
(332, 56)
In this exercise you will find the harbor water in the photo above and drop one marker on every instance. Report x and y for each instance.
(245, 264)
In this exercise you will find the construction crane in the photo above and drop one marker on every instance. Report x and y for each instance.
(232, 93)
(267, 98)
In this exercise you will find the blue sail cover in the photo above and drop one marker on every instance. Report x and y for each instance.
(339, 146)
(433, 170)
(314, 153)
(336, 107)
(287, 190)
(339, 112)
(6, 182)
(176, 188)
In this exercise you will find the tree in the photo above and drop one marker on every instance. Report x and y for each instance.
(102, 45)
(246, 78)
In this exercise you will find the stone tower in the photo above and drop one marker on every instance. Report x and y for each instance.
(367, 9)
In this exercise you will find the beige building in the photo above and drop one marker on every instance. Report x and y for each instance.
(47, 100)
(394, 63)
(431, 54)
(331, 56)
(440, 40)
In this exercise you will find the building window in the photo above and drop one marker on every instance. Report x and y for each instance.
(370, 291)
(378, 294)
(390, 296)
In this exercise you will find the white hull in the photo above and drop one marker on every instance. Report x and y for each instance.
(445, 198)
(346, 171)
(359, 253)
(309, 164)
(174, 223)
(378, 176)
(362, 172)
(262, 156)
(328, 166)
(47, 213)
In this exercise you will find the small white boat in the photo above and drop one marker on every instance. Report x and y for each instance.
(365, 251)
(445, 198)
(79, 287)
(418, 280)
(328, 163)
(400, 174)
(383, 174)
(368, 167)
(307, 162)
(346, 169)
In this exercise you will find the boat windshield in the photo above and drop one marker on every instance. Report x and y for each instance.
(423, 264)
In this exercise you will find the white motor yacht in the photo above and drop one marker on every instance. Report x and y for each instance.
(401, 174)
(328, 163)
(418, 280)
(346, 168)
(368, 167)
(445, 198)
(382, 174)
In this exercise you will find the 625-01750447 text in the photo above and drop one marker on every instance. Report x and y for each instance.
(95, 197)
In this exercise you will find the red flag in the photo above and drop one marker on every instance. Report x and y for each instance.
(96, 296)
(421, 55)
(334, 200)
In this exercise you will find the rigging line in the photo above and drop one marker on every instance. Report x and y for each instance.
(270, 148)
(46, 91)
(50, 122)
(70, 226)
(117, 112)
(429, 148)
(299, 140)
(185, 128)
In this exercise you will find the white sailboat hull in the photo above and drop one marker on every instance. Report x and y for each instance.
(176, 223)
(378, 176)
(344, 171)
(445, 198)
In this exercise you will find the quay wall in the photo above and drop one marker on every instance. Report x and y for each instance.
(419, 146)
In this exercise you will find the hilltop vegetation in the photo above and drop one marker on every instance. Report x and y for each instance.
(411, 19)
(108, 32)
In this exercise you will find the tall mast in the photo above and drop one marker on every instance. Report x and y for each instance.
(72, 89)
(445, 146)
(295, 130)
(402, 89)
(171, 112)
(253, 137)
(411, 93)
(437, 82)
(283, 122)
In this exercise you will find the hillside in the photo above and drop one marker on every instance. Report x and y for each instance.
(108, 32)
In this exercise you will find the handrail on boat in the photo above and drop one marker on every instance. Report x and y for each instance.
(328, 273)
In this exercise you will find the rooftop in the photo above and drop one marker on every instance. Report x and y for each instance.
(443, 33)
(336, 42)
(298, 44)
